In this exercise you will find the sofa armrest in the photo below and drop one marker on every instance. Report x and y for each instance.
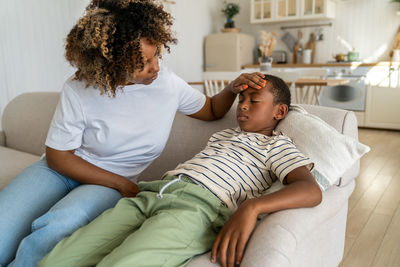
(277, 236)
(2, 138)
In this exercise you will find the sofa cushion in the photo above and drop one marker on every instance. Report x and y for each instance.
(2, 138)
(346, 123)
(332, 152)
(12, 162)
(26, 120)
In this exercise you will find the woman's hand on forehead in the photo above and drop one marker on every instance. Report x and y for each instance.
(245, 80)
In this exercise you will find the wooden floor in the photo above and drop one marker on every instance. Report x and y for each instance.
(373, 223)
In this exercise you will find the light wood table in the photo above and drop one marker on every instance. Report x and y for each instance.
(306, 90)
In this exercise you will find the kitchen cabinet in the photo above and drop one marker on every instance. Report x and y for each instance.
(383, 96)
(263, 11)
(383, 107)
(317, 9)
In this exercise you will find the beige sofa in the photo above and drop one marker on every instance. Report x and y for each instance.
(299, 237)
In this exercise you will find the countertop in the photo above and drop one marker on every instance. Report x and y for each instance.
(336, 64)
(302, 82)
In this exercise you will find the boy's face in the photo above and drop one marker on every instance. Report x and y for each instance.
(256, 111)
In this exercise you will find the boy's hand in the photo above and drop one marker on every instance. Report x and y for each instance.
(246, 80)
(232, 239)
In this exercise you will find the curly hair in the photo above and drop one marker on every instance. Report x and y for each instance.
(279, 90)
(105, 47)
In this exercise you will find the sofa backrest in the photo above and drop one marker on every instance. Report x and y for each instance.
(189, 136)
(26, 120)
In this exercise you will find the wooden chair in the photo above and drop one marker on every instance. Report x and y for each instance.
(302, 94)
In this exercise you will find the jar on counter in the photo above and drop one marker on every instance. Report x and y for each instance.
(307, 56)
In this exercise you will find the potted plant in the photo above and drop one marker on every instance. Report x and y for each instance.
(265, 49)
(230, 10)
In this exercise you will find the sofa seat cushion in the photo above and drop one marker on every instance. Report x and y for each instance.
(12, 162)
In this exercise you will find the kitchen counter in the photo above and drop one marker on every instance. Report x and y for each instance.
(333, 64)
(301, 82)
(307, 90)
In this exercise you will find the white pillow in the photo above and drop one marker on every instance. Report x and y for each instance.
(332, 152)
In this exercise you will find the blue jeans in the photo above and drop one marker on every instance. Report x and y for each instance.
(40, 207)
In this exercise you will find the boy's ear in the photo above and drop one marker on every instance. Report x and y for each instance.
(281, 112)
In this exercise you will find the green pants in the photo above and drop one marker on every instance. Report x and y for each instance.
(147, 230)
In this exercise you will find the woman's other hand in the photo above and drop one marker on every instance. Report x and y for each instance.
(246, 80)
(128, 188)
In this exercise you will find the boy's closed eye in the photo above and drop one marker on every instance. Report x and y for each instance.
(252, 100)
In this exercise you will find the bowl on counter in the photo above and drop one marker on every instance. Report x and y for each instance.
(340, 57)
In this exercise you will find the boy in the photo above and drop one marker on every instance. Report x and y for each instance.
(174, 219)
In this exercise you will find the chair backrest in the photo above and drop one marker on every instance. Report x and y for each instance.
(287, 76)
(214, 82)
(213, 87)
(300, 94)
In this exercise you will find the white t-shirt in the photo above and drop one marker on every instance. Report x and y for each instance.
(126, 133)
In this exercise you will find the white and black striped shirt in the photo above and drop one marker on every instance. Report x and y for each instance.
(237, 165)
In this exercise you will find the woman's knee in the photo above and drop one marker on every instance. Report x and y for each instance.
(60, 222)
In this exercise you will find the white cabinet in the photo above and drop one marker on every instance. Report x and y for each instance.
(383, 109)
(262, 11)
(274, 10)
(317, 9)
(287, 9)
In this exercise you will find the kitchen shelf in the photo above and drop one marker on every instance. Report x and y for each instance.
(316, 65)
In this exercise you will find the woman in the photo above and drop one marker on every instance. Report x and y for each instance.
(112, 121)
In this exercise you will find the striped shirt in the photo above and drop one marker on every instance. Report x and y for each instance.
(237, 165)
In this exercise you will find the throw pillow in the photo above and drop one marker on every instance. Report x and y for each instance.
(332, 152)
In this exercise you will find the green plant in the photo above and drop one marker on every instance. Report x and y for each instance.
(397, 1)
(230, 10)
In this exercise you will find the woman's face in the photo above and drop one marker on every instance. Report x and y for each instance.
(151, 67)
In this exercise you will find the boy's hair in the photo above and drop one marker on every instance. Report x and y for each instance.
(279, 90)
(104, 45)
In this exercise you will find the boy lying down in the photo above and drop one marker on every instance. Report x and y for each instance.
(208, 202)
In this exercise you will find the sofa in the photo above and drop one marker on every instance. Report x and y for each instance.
(297, 237)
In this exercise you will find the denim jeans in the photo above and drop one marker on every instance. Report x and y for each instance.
(40, 207)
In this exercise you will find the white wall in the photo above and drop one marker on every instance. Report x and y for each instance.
(194, 19)
(33, 35)
(32, 45)
(367, 25)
